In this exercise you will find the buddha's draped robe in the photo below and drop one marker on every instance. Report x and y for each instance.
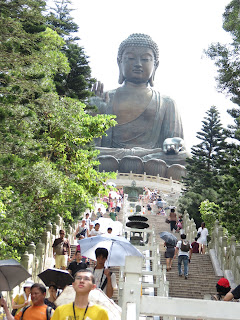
(159, 120)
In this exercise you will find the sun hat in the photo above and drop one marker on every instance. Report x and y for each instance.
(223, 282)
(28, 284)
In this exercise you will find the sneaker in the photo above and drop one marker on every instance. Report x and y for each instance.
(186, 277)
(180, 275)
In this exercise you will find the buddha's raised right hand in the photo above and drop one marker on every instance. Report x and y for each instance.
(98, 90)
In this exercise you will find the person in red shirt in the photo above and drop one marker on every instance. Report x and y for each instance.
(195, 246)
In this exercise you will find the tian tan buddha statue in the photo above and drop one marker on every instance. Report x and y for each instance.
(148, 136)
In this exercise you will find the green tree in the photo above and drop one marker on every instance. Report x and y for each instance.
(227, 61)
(59, 18)
(78, 82)
(46, 164)
(210, 212)
(202, 170)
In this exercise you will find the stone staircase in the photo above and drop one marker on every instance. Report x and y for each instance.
(201, 282)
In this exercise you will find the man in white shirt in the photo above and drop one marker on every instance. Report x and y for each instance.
(104, 278)
(95, 231)
(184, 251)
(82, 230)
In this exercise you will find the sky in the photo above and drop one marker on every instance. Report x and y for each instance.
(181, 28)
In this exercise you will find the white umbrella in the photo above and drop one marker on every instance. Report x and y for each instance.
(118, 248)
(105, 223)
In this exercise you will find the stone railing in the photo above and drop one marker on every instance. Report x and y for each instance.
(153, 272)
(189, 226)
(224, 251)
(39, 256)
(228, 253)
(135, 304)
(143, 180)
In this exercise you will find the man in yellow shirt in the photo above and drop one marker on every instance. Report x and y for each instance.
(81, 308)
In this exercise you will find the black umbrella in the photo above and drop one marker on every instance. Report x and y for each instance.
(12, 273)
(168, 238)
(137, 224)
(57, 277)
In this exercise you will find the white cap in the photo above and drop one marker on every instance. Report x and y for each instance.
(28, 284)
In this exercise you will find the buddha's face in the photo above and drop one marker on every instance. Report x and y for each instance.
(137, 64)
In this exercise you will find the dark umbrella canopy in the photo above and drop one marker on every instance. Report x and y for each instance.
(12, 273)
(57, 277)
(168, 238)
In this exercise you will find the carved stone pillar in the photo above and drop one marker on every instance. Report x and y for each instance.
(25, 260)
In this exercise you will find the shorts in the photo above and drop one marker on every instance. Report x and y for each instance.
(170, 252)
(61, 261)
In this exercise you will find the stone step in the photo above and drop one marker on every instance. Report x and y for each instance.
(201, 280)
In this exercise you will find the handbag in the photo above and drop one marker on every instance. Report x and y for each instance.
(198, 234)
(14, 311)
(82, 233)
(167, 220)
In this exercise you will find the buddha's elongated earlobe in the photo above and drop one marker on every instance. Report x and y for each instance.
(121, 77)
(151, 80)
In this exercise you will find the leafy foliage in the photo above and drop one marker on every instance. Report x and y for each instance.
(210, 212)
(203, 168)
(47, 165)
(226, 57)
(59, 18)
(78, 82)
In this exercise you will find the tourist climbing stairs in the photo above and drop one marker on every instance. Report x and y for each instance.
(201, 282)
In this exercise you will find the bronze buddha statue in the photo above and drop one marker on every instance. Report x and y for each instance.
(148, 124)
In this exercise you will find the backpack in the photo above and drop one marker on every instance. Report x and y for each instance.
(185, 246)
(104, 283)
(48, 312)
(59, 248)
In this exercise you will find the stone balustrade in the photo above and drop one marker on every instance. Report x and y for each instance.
(153, 182)
(152, 277)
(225, 250)
(135, 304)
(39, 256)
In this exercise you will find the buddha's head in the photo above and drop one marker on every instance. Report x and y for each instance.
(138, 59)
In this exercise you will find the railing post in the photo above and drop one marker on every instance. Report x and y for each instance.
(54, 229)
(49, 227)
(132, 288)
(39, 256)
(25, 260)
